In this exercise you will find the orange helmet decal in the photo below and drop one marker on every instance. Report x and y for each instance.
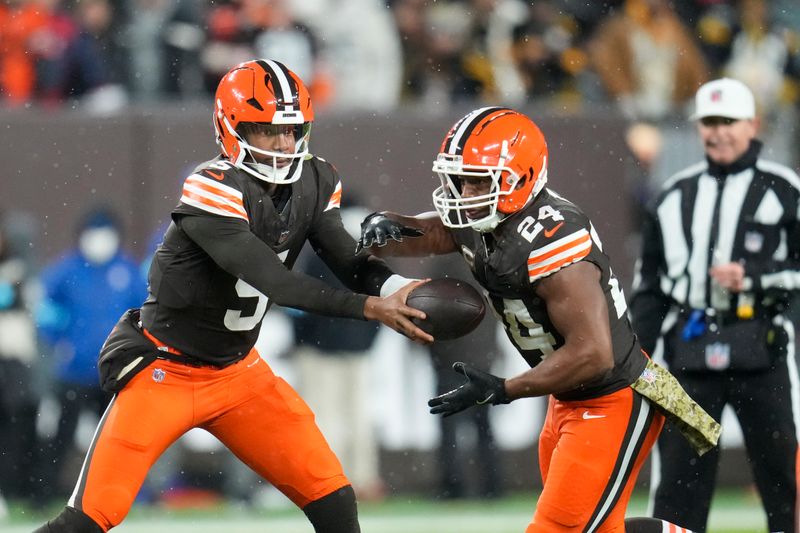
(261, 91)
(498, 144)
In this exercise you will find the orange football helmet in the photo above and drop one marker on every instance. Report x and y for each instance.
(262, 92)
(498, 144)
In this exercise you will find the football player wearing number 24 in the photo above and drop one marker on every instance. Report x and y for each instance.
(239, 226)
(543, 267)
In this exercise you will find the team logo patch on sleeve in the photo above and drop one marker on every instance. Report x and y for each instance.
(558, 254)
(336, 198)
(214, 197)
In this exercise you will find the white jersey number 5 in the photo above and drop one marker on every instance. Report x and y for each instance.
(234, 320)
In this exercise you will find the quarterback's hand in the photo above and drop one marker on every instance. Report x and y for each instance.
(393, 311)
(480, 388)
(377, 227)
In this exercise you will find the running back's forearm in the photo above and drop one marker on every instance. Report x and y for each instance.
(437, 239)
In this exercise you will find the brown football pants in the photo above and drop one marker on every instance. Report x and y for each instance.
(256, 414)
(590, 453)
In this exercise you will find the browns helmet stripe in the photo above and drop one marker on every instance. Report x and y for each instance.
(283, 85)
(462, 130)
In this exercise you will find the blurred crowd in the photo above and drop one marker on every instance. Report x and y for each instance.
(647, 57)
(644, 59)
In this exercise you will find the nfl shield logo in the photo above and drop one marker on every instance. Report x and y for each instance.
(716, 96)
(649, 376)
(158, 375)
(753, 241)
(718, 356)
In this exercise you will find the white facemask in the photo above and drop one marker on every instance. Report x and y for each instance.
(99, 245)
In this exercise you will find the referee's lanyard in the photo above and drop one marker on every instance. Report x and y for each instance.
(716, 299)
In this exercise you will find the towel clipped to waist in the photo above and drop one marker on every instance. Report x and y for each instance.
(659, 386)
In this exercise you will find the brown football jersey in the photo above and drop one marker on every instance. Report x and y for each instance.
(547, 235)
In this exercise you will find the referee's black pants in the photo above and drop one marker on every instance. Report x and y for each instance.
(766, 404)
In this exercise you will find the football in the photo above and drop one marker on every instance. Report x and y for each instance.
(454, 307)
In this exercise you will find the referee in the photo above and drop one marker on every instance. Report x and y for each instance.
(720, 261)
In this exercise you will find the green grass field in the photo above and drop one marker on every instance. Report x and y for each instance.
(732, 512)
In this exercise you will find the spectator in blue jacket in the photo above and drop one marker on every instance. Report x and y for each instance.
(85, 293)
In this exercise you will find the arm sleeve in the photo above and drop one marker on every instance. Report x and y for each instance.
(231, 244)
(649, 305)
(362, 272)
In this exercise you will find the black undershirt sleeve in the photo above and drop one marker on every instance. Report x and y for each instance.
(362, 272)
(231, 244)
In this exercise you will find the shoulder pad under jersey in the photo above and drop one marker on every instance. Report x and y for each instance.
(559, 235)
(214, 188)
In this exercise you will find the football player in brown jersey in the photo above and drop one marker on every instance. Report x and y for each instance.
(241, 222)
(542, 265)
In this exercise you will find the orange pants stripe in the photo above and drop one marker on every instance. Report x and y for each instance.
(590, 453)
(256, 414)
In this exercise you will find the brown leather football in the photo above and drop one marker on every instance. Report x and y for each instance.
(453, 306)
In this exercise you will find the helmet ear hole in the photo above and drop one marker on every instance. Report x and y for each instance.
(524, 178)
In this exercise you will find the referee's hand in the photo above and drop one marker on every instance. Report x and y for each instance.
(729, 276)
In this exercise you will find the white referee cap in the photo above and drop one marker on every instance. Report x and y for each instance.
(724, 97)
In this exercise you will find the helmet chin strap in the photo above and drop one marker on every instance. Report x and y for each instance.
(276, 174)
(488, 224)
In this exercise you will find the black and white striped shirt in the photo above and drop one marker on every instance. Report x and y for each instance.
(707, 215)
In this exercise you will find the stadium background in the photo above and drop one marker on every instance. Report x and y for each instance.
(63, 152)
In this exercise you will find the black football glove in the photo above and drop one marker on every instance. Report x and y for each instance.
(376, 227)
(480, 388)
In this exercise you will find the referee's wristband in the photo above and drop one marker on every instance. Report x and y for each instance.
(394, 283)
